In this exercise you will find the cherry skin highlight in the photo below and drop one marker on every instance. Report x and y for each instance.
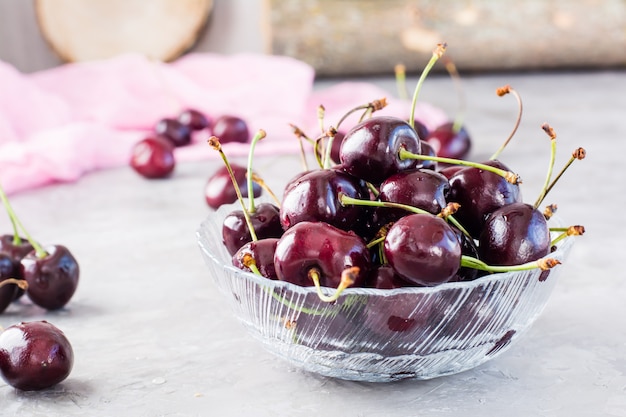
(153, 157)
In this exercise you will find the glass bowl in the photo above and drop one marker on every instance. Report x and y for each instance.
(381, 335)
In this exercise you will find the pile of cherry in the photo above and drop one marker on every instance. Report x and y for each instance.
(387, 211)
(34, 355)
(153, 156)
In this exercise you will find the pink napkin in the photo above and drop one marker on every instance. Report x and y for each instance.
(59, 124)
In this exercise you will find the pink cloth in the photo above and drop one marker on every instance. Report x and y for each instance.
(59, 124)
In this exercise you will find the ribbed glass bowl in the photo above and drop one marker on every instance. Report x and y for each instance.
(381, 335)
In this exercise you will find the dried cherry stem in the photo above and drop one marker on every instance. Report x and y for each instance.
(257, 137)
(511, 177)
(400, 75)
(576, 230)
(348, 201)
(544, 190)
(21, 283)
(214, 142)
(266, 188)
(549, 211)
(300, 135)
(369, 108)
(437, 53)
(542, 263)
(502, 91)
(17, 224)
(348, 277)
(578, 154)
(456, 79)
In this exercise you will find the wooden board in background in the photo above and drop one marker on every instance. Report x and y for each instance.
(352, 37)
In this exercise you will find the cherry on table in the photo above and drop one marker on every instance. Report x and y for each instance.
(35, 355)
(177, 133)
(153, 157)
(16, 248)
(7, 291)
(230, 128)
(52, 277)
(219, 187)
(194, 119)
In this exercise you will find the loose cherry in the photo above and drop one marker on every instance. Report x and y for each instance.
(35, 355)
(177, 133)
(194, 120)
(16, 247)
(231, 129)
(153, 157)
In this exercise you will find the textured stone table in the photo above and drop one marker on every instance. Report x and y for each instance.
(153, 338)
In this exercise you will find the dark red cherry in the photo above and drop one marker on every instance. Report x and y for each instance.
(262, 251)
(194, 119)
(479, 193)
(265, 221)
(315, 197)
(428, 150)
(231, 129)
(7, 291)
(423, 249)
(421, 129)
(514, 234)
(35, 355)
(468, 248)
(370, 149)
(219, 188)
(16, 249)
(153, 157)
(173, 130)
(334, 148)
(52, 279)
(449, 170)
(318, 245)
(449, 143)
(421, 188)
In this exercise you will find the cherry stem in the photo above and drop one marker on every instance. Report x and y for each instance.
(17, 224)
(502, 91)
(576, 230)
(511, 177)
(330, 134)
(437, 53)
(348, 277)
(543, 264)
(300, 135)
(321, 112)
(215, 144)
(257, 137)
(544, 190)
(249, 262)
(371, 107)
(22, 283)
(347, 200)
(266, 188)
(579, 153)
(400, 72)
(456, 78)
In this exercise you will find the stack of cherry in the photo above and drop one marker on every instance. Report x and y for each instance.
(34, 355)
(153, 156)
(386, 216)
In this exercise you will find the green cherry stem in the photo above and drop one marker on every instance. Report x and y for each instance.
(578, 154)
(348, 276)
(17, 224)
(456, 78)
(257, 137)
(437, 53)
(511, 177)
(543, 264)
(400, 73)
(330, 134)
(267, 189)
(544, 190)
(502, 91)
(576, 230)
(214, 142)
(369, 108)
(300, 135)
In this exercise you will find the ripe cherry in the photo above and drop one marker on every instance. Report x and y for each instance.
(219, 187)
(153, 157)
(423, 249)
(16, 247)
(177, 133)
(52, 276)
(514, 234)
(265, 221)
(370, 149)
(7, 291)
(194, 119)
(257, 255)
(35, 355)
(231, 129)
(449, 142)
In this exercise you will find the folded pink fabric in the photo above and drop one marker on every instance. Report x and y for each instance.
(59, 124)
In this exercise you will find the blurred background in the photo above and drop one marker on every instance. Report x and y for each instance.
(337, 37)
